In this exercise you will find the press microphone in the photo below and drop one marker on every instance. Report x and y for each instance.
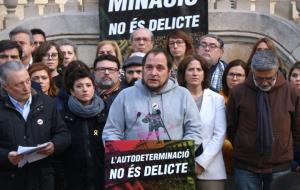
(158, 112)
(138, 114)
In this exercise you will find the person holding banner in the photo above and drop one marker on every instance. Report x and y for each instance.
(150, 110)
(210, 168)
(178, 44)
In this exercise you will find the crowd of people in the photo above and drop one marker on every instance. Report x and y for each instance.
(242, 116)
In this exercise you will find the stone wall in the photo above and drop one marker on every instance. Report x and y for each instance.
(239, 34)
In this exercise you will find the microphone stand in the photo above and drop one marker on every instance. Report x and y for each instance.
(163, 125)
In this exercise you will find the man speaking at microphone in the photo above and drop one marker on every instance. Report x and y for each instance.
(155, 108)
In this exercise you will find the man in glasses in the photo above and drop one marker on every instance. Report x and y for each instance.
(133, 70)
(24, 38)
(141, 40)
(263, 124)
(211, 48)
(106, 72)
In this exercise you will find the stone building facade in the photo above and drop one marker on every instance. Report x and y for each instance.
(239, 22)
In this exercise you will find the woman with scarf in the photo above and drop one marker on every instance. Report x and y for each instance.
(84, 115)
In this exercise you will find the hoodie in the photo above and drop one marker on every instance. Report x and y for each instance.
(140, 114)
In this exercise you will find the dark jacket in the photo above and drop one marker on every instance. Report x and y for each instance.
(43, 124)
(242, 124)
(84, 159)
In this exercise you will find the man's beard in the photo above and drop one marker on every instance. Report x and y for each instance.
(265, 89)
(104, 84)
(131, 83)
(155, 89)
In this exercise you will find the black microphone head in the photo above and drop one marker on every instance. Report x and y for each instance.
(138, 114)
(158, 111)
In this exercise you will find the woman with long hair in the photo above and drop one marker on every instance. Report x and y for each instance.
(49, 54)
(210, 169)
(41, 74)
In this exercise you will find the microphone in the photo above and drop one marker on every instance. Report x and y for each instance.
(138, 114)
(158, 112)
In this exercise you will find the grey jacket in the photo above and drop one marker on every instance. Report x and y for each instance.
(137, 113)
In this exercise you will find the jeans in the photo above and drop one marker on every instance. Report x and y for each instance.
(246, 180)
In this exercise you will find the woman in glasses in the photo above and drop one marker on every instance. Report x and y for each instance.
(235, 73)
(210, 169)
(178, 45)
(49, 54)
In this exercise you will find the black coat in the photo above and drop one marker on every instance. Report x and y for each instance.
(43, 124)
(84, 159)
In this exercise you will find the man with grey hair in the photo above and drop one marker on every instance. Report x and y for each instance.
(24, 38)
(27, 119)
(141, 40)
(263, 122)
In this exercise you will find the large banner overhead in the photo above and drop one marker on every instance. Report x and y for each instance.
(119, 18)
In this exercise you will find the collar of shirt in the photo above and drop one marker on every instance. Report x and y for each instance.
(23, 110)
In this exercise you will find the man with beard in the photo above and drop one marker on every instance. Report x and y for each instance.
(106, 73)
(263, 124)
(133, 70)
(211, 48)
(155, 108)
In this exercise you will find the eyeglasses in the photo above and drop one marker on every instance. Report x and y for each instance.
(142, 39)
(263, 79)
(51, 56)
(210, 46)
(178, 43)
(110, 70)
(4, 56)
(237, 75)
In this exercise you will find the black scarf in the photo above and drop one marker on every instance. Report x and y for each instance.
(264, 124)
(91, 110)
